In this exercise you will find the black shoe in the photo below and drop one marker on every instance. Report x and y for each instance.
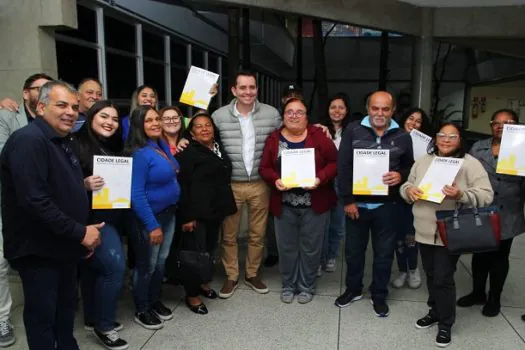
(111, 340)
(472, 299)
(200, 309)
(91, 326)
(210, 293)
(348, 298)
(443, 338)
(380, 308)
(426, 322)
(148, 319)
(271, 260)
(492, 307)
(523, 318)
(162, 311)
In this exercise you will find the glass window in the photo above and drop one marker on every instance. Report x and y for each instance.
(178, 79)
(75, 62)
(121, 75)
(212, 62)
(154, 76)
(119, 35)
(178, 52)
(197, 58)
(152, 45)
(87, 25)
(225, 88)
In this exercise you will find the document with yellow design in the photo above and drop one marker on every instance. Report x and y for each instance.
(196, 91)
(511, 159)
(442, 171)
(116, 172)
(369, 167)
(298, 167)
(420, 143)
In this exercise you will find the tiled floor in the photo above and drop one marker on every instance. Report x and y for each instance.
(252, 321)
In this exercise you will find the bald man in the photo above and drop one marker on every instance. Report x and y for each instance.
(89, 92)
(367, 214)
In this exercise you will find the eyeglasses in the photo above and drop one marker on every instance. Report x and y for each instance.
(506, 122)
(451, 137)
(171, 119)
(66, 146)
(291, 113)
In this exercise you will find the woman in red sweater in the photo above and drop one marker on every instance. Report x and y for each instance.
(300, 213)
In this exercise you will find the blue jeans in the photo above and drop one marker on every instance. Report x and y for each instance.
(150, 262)
(379, 222)
(335, 231)
(406, 252)
(101, 280)
(49, 302)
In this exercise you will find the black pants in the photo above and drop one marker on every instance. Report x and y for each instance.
(495, 264)
(50, 297)
(440, 267)
(210, 230)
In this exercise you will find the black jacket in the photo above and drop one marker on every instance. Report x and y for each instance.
(360, 135)
(44, 203)
(205, 181)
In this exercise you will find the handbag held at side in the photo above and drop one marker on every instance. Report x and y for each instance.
(196, 264)
(469, 230)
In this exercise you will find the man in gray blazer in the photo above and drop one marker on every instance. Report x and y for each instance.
(9, 123)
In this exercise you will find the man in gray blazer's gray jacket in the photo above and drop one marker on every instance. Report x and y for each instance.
(9, 123)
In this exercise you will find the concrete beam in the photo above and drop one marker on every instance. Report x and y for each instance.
(377, 14)
(480, 22)
(506, 47)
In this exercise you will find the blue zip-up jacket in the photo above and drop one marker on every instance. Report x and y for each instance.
(154, 185)
(125, 122)
(361, 135)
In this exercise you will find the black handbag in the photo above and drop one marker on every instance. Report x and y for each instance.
(196, 265)
(470, 230)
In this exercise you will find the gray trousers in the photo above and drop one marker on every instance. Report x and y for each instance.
(300, 234)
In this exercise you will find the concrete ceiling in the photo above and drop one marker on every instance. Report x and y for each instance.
(464, 3)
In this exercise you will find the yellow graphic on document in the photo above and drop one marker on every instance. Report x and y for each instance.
(101, 200)
(188, 98)
(362, 187)
(508, 166)
(292, 181)
(436, 196)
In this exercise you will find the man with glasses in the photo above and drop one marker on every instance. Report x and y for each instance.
(45, 210)
(372, 215)
(9, 123)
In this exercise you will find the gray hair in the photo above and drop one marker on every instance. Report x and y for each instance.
(45, 90)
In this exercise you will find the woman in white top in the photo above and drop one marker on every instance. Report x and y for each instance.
(338, 117)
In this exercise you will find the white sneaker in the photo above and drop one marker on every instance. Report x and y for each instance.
(399, 282)
(319, 271)
(414, 279)
(330, 265)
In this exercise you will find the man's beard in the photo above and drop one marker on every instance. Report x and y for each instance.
(31, 105)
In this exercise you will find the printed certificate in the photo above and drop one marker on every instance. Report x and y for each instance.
(298, 167)
(420, 143)
(442, 171)
(369, 167)
(196, 91)
(511, 159)
(116, 172)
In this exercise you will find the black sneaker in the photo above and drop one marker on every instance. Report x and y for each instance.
(162, 311)
(472, 299)
(426, 322)
(271, 260)
(492, 307)
(149, 320)
(89, 327)
(348, 298)
(380, 308)
(443, 338)
(111, 340)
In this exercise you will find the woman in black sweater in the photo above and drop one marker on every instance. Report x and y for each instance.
(206, 198)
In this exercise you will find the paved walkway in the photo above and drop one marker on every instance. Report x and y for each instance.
(252, 321)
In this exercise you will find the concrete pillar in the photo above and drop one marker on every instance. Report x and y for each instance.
(27, 39)
(422, 61)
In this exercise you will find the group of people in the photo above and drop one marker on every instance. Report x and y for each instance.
(190, 179)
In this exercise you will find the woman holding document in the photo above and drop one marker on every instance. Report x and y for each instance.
(154, 194)
(300, 212)
(406, 246)
(509, 196)
(470, 182)
(102, 274)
